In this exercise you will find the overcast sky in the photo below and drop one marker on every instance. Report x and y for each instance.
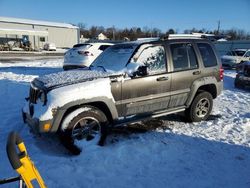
(163, 14)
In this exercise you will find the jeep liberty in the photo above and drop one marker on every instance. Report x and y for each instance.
(128, 82)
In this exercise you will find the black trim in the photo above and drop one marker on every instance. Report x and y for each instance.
(10, 180)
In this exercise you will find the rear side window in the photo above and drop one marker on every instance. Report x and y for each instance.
(81, 45)
(207, 54)
(103, 47)
(184, 57)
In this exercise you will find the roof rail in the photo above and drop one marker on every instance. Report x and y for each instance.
(186, 36)
(148, 39)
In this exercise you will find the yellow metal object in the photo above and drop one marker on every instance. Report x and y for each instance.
(28, 171)
(46, 127)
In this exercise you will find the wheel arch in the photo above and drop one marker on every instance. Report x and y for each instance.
(208, 84)
(105, 106)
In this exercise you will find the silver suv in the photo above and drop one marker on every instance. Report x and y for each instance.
(235, 57)
(126, 83)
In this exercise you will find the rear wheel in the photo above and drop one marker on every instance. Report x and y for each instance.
(84, 124)
(200, 108)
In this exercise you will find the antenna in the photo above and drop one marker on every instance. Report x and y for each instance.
(218, 30)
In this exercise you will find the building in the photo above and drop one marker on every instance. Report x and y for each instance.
(38, 32)
(101, 36)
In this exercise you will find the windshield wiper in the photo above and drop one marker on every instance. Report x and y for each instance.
(90, 67)
(102, 68)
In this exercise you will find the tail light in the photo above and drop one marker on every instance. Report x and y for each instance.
(221, 73)
(85, 53)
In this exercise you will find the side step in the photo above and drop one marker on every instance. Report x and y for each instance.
(137, 118)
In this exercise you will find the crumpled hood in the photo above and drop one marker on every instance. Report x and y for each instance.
(60, 79)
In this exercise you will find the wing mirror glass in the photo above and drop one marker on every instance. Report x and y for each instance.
(137, 69)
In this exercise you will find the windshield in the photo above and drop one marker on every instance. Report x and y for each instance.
(115, 58)
(236, 53)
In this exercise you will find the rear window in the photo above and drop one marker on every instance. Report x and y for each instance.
(207, 54)
(103, 47)
(81, 45)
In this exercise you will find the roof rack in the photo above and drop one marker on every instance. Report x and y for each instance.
(186, 36)
(148, 39)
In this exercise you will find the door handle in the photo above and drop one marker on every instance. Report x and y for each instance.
(196, 72)
(163, 78)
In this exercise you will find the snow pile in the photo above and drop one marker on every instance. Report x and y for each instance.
(16, 77)
(33, 63)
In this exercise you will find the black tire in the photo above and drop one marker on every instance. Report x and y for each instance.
(238, 84)
(200, 108)
(65, 68)
(87, 123)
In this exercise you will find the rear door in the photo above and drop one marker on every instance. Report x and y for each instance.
(185, 69)
(150, 93)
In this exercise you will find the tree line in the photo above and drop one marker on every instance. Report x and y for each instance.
(133, 33)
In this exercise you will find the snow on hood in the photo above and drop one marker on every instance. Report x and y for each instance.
(69, 77)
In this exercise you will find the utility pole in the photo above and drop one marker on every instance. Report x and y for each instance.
(218, 29)
(113, 32)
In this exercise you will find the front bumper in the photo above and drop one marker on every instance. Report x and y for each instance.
(35, 124)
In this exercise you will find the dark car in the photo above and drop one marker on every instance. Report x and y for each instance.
(242, 79)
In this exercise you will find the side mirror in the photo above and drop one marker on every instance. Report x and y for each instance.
(136, 69)
(142, 71)
(132, 68)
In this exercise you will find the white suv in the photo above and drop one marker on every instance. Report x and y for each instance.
(234, 57)
(82, 55)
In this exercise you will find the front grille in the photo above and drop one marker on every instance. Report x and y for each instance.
(34, 92)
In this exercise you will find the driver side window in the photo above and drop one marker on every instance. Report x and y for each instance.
(153, 57)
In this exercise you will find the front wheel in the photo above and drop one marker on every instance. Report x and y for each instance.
(84, 124)
(200, 108)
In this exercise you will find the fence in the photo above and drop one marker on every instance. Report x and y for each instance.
(224, 46)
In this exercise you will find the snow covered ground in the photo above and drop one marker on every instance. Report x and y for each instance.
(171, 153)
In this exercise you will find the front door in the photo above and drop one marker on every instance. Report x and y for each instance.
(149, 93)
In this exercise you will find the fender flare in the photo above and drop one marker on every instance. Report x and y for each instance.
(197, 84)
(62, 111)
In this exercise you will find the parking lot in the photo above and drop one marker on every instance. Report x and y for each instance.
(169, 152)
